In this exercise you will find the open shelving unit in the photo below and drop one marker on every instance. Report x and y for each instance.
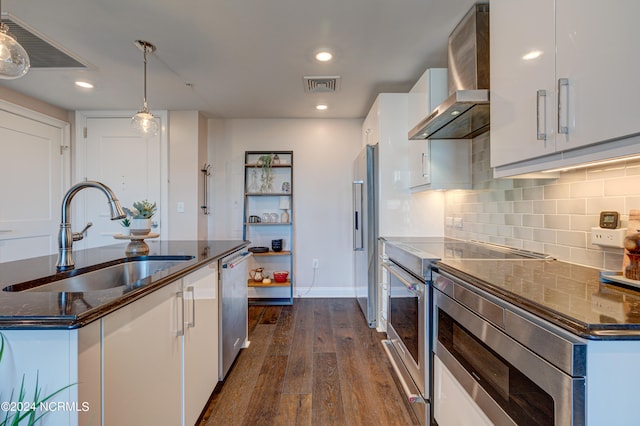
(268, 194)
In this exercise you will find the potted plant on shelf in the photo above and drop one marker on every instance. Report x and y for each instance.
(266, 177)
(141, 214)
(126, 223)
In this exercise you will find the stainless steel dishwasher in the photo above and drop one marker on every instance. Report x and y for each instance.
(233, 296)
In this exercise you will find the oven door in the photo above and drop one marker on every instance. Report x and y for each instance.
(484, 376)
(407, 333)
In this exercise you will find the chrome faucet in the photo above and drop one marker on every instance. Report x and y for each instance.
(65, 236)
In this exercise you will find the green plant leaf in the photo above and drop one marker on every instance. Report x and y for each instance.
(30, 416)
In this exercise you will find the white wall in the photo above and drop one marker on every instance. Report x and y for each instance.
(324, 151)
(187, 155)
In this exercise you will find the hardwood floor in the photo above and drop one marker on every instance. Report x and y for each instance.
(313, 363)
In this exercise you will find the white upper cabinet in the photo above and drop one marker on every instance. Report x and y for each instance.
(518, 28)
(561, 78)
(597, 53)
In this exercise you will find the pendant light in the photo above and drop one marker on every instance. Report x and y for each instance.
(144, 122)
(14, 60)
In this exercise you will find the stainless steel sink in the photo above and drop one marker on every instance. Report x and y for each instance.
(129, 273)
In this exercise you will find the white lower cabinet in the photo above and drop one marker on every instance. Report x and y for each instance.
(161, 353)
(200, 342)
(142, 361)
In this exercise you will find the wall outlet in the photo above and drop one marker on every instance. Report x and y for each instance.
(608, 237)
(315, 263)
(457, 222)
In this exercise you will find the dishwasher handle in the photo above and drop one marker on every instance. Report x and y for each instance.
(232, 263)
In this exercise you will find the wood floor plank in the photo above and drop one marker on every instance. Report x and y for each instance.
(271, 315)
(264, 403)
(364, 382)
(339, 314)
(241, 380)
(322, 331)
(295, 410)
(283, 334)
(327, 406)
(353, 380)
(299, 379)
(254, 315)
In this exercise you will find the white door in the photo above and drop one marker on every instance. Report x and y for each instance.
(34, 174)
(131, 165)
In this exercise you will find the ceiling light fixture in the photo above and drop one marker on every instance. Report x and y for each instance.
(144, 122)
(84, 84)
(534, 54)
(14, 60)
(324, 56)
(321, 107)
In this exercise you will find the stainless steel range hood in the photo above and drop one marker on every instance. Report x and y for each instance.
(465, 113)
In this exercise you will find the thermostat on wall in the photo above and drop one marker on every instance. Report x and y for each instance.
(609, 220)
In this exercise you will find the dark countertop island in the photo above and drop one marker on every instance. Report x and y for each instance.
(68, 310)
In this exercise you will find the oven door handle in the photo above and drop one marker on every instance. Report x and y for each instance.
(410, 390)
(414, 288)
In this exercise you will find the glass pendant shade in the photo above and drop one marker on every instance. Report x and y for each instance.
(14, 60)
(144, 122)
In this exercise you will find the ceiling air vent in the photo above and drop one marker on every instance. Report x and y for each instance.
(327, 84)
(42, 53)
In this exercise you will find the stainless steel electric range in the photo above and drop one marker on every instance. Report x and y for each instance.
(408, 270)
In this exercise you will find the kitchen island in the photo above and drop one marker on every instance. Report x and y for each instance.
(128, 354)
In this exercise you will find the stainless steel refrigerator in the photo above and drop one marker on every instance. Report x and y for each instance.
(365, 232)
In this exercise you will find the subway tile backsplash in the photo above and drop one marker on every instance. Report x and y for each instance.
(554, 216)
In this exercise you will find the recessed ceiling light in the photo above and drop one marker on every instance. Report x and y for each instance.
(84, 84)
(532, 55)
(324, 56)
(321, 107)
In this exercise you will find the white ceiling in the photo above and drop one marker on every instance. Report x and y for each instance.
(243, 58)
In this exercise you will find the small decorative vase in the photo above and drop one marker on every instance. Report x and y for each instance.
(125, 230)
(140, 226)
(284, 217)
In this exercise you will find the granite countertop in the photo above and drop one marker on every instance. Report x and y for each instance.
(570, 296)
(51, 310)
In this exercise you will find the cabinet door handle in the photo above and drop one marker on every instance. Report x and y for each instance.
(192, 323)
(541, 115)
(563, 83)
(180, 302)
(424, 162)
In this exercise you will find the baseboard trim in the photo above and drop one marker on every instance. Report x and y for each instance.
(317, 292)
